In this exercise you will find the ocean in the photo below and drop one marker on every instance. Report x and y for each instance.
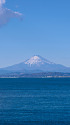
(27, 101)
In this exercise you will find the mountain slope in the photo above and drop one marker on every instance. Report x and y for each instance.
(37, 64)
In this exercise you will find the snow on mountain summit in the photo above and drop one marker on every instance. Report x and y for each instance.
(37, 60)
(37, 64)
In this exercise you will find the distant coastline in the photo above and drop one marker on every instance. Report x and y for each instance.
(36, 75)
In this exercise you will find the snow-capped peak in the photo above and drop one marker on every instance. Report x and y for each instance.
(37, 60)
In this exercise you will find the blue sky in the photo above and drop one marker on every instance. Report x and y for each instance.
(44, 30)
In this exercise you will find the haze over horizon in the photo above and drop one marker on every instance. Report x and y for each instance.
(44, 31)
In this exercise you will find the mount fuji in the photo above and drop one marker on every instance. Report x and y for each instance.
(37, 64)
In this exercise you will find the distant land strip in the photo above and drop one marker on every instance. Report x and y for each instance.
(36, 75)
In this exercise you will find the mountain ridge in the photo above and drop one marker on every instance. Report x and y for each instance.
(37, 63)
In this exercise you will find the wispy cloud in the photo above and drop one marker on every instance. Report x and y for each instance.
(2, 2)
(7, 14)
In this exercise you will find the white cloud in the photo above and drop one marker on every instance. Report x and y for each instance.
(2, 2)
(7, 14)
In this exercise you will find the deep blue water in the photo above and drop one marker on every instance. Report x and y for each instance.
(35, 101)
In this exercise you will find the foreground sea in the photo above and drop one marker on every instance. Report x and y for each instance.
(35, 101)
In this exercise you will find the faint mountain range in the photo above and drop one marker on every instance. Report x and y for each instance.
(36, 64)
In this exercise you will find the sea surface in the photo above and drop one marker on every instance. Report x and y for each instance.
(35, 101)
